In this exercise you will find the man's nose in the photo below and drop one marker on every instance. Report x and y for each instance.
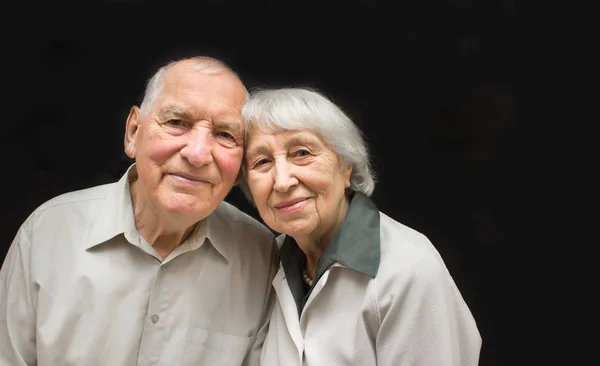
(198, 150)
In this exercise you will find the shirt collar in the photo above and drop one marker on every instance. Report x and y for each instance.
(355, 244)
(116, 214)
(217, 233)
(116, 217)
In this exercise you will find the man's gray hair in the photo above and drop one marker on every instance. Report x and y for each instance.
(274, 110)
(203, 64)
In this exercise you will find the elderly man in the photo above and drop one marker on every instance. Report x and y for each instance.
(154, 269)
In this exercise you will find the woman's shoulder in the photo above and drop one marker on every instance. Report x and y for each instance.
(406, 251)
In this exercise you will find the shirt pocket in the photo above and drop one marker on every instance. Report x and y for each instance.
(207, 347)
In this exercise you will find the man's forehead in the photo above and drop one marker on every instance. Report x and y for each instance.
(202, 92)
(191, 94)
(221, 88)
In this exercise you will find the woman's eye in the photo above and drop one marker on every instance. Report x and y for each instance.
(302, 152)
(261, 162)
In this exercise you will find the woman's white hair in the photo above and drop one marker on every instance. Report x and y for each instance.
(203, 64)
(275, 110)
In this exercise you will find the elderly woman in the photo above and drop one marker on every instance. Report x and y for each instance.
(355, 287)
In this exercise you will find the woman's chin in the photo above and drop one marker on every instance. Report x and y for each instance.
(297, 229)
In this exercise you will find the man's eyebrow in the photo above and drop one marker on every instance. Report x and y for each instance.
(173, 110)
(179, 111)
(231, 125)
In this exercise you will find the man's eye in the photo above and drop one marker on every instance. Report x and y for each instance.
(175, 122)
(226, 135)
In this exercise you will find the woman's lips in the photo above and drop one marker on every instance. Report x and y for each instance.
(295, 204)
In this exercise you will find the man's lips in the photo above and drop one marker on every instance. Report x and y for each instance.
(183, 177)
(291, 202)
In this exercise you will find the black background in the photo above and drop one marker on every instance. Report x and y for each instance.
(450, 95)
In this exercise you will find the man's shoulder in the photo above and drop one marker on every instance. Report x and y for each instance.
(76, 197)
(71, 212)
(234, 219)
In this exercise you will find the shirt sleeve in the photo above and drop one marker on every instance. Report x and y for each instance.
(425, 321)
(17, 315)
(253, 356)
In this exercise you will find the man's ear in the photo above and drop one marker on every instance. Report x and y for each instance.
(131, 131)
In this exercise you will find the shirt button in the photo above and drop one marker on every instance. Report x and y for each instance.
(154, 318)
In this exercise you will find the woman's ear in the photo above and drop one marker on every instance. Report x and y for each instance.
(347, 172)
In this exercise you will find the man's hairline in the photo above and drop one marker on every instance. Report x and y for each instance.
(225, 70)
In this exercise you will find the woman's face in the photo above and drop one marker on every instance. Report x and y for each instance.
(296, 182)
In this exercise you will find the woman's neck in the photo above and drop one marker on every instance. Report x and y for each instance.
(313, 251)
(315, 244)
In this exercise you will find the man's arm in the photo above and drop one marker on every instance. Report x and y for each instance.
(17, 314)
(425, 321)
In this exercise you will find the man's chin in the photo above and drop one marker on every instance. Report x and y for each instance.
(190, 206)
(193, 212)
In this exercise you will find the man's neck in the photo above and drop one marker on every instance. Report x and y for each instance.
(163, 233)
(166, 243)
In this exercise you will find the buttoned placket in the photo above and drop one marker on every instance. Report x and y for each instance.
(155, 328)
(297, 326)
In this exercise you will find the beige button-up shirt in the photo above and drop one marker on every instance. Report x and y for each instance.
(80, 286)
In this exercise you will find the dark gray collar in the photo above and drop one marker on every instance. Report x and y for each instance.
(355, 244)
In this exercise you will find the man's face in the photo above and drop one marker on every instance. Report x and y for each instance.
(189, 147)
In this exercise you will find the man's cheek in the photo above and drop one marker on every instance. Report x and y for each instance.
(230, 165)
